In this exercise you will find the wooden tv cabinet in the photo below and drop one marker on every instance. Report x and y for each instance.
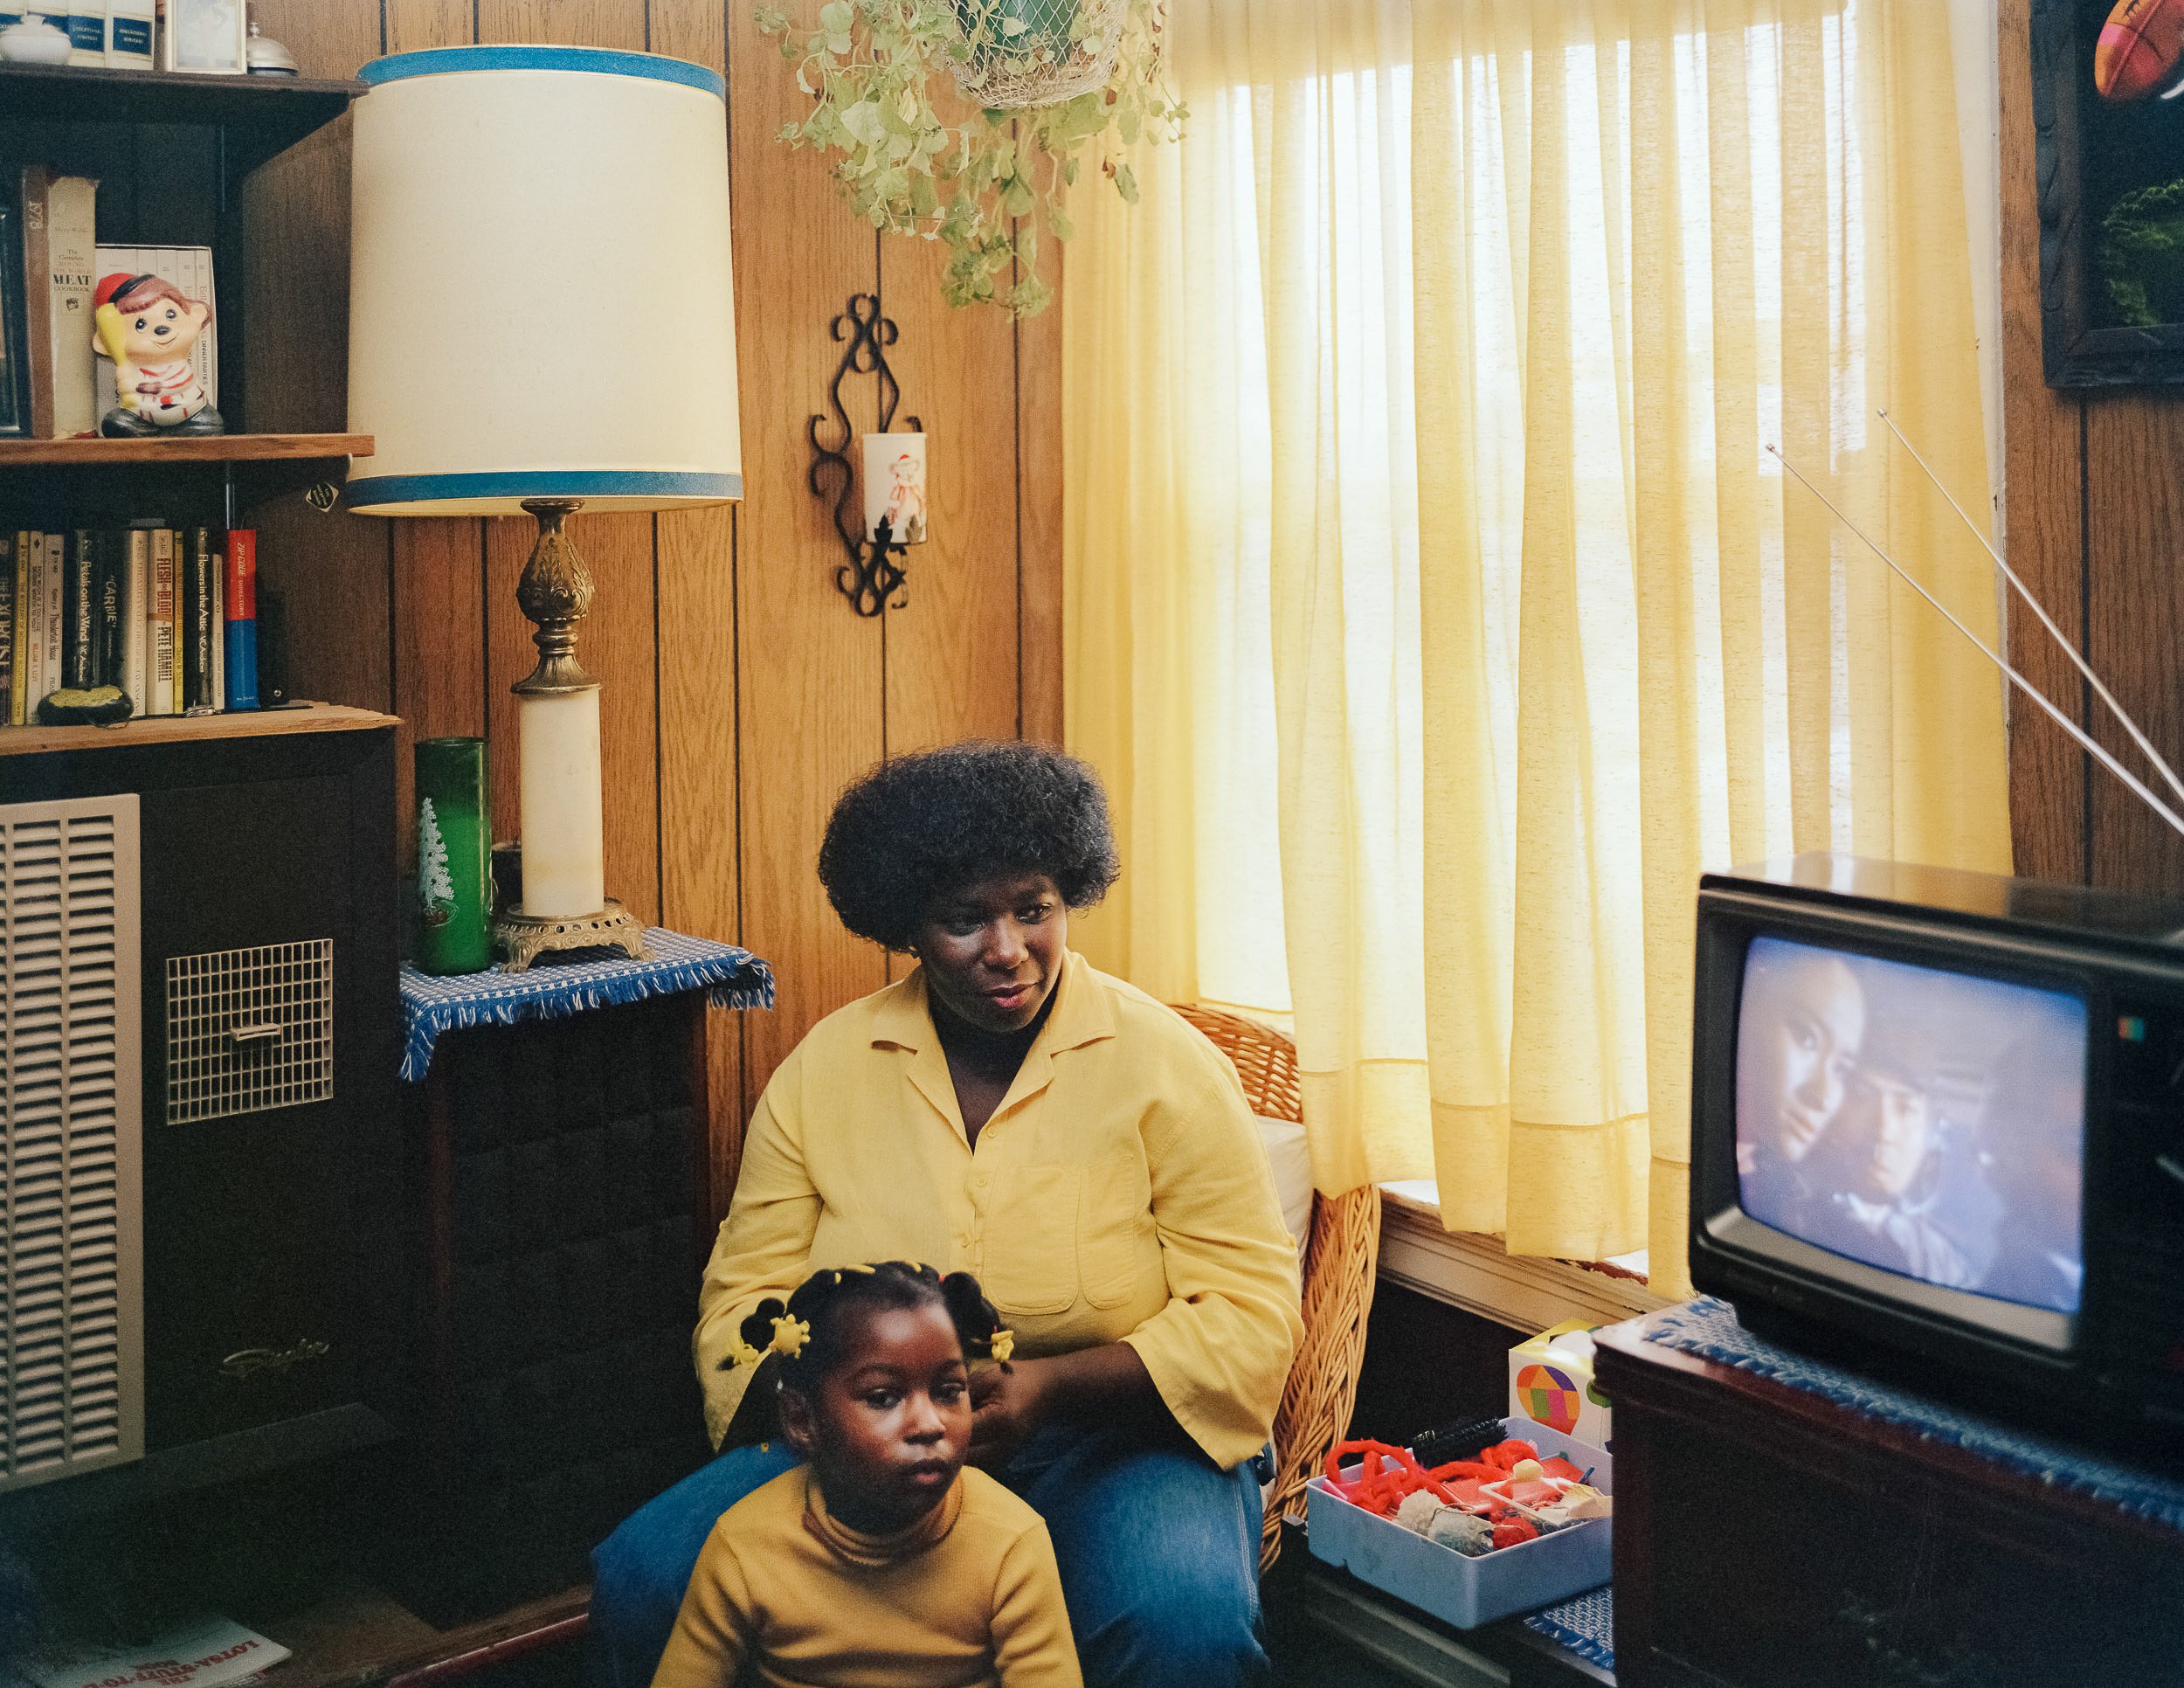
(1768, 1538)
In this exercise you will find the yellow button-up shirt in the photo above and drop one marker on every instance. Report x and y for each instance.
(1120, 1193)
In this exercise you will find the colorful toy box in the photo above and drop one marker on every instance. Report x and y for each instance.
(1457, 1589)
(1550, 1384)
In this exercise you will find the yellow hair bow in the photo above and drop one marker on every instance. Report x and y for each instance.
(1003, 1345)
(789, 1336)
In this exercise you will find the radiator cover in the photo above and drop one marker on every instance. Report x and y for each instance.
(72, 1371)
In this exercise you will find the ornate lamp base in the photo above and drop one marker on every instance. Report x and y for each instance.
(524, 938)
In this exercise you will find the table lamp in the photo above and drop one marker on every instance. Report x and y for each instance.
(542, 318)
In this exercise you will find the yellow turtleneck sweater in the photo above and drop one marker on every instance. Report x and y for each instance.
(968, 1597)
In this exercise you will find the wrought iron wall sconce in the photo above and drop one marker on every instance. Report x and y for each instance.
(872, 578)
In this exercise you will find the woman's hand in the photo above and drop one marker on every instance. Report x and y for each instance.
(1007, 1404)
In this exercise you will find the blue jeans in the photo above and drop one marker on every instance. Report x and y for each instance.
(1159, 1550)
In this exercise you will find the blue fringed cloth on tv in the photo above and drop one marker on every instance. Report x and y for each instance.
(731, 979)
(1708, 1328)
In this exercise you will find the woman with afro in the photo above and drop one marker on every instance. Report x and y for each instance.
(1007, 1110)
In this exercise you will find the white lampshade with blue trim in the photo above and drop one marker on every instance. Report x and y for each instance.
(542, 299)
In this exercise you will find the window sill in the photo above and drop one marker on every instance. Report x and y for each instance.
(1477, 1274)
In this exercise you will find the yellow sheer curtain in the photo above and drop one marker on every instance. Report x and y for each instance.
(1433, 611)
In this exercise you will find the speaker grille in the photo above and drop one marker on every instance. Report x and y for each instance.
(249, 1029)
(71, 1099)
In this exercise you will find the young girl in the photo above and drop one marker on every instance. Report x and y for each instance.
(879, 1561)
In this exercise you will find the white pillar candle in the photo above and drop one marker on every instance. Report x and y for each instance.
(894, 487)
(565, 874)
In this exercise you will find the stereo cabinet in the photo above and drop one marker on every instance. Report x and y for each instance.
(199, 1131)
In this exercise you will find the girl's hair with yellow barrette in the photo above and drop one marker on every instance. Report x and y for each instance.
(807, 1334)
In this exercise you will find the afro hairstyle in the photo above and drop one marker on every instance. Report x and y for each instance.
(918, 827)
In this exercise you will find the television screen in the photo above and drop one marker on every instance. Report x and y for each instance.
(1926, 1121)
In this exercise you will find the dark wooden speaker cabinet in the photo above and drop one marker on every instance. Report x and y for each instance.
(560, 1180)
(270, 1035)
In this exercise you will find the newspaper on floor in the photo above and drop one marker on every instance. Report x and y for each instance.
(210, 1652)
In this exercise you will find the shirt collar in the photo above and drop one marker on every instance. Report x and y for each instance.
(904, 1020)
(1081, 1014)
(870, 1551)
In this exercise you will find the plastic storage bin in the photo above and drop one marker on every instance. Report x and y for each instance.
(1460, 1591)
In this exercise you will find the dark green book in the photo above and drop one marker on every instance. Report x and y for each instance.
(203, 560)
(79, 612)
(110, 565)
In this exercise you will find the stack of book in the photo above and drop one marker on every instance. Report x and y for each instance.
(169, 615)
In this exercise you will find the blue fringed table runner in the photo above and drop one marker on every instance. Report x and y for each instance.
(731, 979)
(1585, 1626)
(1708, 1328)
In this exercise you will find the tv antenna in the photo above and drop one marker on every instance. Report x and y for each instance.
(2093, 748)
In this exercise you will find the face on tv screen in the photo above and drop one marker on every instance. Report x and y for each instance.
(1926, 1121)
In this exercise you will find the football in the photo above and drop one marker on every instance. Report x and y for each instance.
(2138, 49)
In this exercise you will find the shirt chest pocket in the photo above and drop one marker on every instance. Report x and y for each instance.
(1031, 1240)
(1117, 1246)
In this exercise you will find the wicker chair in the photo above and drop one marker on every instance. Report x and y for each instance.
(1339, 1262)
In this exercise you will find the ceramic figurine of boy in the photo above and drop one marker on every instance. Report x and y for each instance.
(147, 325)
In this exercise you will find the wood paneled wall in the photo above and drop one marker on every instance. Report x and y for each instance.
(741, 689)
(2096, 524)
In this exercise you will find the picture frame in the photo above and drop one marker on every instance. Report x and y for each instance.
(2109, 185)
(205, 37)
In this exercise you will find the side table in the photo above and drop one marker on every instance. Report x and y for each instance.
(1780, 1524)
(558, 1140)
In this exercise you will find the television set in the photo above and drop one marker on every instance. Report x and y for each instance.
(1937, 1133)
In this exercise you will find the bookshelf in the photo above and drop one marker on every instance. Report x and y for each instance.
(193, 729)
(116, 479)
(194, 448)
(258, 116)
(171, 153)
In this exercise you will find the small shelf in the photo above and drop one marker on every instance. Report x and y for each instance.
(107, 480)
(189, 448)
(31, 740)
(261, 114)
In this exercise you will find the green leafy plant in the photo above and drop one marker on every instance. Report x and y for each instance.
(986, 183)
(2140, 255)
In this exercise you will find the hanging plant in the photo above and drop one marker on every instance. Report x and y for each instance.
(1049, 83)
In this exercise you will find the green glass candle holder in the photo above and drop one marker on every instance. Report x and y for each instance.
(454, 877)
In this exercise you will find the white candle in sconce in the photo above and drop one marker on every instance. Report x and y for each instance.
(894, 487)
(558, 776)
